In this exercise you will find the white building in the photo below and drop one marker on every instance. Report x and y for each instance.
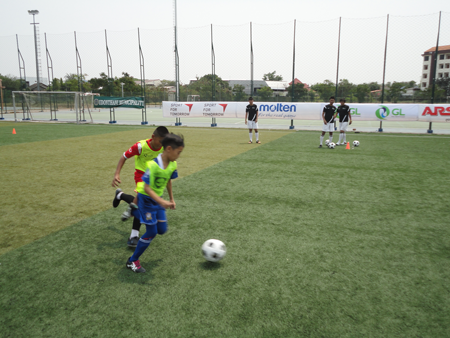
(442, 65)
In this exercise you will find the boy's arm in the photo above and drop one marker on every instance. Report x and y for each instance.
(162, 202)
(246, 114)
(116, 181)
(257, 114)
(169, 190)
(323, 117)
(349, 116)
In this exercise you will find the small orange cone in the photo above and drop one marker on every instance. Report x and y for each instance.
(348, 145)
(14, 130)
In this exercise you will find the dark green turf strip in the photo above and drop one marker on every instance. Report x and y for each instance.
(32, 132)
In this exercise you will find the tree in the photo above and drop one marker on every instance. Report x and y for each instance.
(204, 86)
(272, 77)
(130, 86)
(264, 93)
(325, 89)
(362, 91)
(374, 86)
(345, 89)
(444, 84)
(299, 91)
(238, 91)
(395, 91)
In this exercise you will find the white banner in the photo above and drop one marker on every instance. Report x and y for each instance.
(434, 112)
(310, 111)
(267, 110)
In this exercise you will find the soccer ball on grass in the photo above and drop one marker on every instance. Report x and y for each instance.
(213, 250)
(327, 142)
(356, 143)
(331, 145)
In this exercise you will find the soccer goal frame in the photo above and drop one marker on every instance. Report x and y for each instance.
(39, 102)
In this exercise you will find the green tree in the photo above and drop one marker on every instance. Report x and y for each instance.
(395, 91)
(204, 86)
(324, 90)
(345, 89)
(130, 87)
(374, 86)
(300, 92)
(362, 92)
(272, 77)
(444, 84)
(264, 93)
(238, 91)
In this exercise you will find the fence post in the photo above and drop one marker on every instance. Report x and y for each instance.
(430, 131)
(384, 69)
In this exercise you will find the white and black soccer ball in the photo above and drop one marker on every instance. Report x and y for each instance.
(331, 145)
(327, 142)
(213, 250)
(356, 143)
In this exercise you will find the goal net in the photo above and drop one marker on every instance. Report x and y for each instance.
(53, 106)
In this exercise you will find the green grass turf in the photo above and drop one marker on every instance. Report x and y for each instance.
(321, 243)
(65, 174)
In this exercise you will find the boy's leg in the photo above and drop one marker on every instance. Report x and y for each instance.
(121, 196)
(250, 135)
(162, 221)
(133, 262)
(134, 236)
(321, 139)
(257, 136)
(331, 137)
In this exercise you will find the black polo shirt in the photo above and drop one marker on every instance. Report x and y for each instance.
(251, 110)
(344, 112)
(329, 112)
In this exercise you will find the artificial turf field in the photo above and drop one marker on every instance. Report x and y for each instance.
(321, 243)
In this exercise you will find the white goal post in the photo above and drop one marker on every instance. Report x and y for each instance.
(39, 105)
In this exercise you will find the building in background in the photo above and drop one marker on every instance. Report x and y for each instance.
(443, 65)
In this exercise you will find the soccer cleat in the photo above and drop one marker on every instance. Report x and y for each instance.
(135, 266)
(258, 142)
(249, 142)
(338, 144)
(116, 202)
(320, 146)
(127, 213)
(133, 242)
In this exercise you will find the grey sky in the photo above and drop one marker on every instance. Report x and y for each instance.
(413, 28)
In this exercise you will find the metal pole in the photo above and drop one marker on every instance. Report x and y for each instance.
(251, 61)
(338, 54)
(177, 61)
(213, 66)
(293, 74)
(430, 131)
(384, 68)
(142, 69)
(34, 12)
(14, 106)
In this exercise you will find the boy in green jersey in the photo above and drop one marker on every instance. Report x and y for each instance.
(152, 207)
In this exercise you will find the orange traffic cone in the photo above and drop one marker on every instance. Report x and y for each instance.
(14, 130)
(348, 145)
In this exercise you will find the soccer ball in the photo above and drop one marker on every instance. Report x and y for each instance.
(356, 143)
(331, 145)
(213, 250)
(327, 142)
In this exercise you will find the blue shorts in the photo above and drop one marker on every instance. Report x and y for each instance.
(149, 211)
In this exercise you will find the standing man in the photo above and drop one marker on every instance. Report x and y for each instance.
(251, 115)
(328, 115)
(345, 118)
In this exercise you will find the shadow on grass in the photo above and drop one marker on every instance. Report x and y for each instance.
(121, 243)
(210, 265)
(125, 275)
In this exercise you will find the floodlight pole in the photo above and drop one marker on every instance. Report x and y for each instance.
(33, 13)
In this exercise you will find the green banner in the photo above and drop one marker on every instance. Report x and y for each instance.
(113, 102)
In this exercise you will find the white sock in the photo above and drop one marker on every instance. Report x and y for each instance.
(321, 139)
(118, 195)
(344, 137)
(251, 136)
(331, 138)
(257, 137)
(134, 233)
(340, 138)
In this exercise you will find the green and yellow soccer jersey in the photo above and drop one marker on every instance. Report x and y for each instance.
(157, 177)
(146, 154)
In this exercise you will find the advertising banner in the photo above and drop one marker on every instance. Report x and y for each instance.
(114, 102)
(267, 110)
(383, 112)
(434, 112)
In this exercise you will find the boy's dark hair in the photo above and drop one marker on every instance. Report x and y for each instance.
(250, 98)
(173, 140)
(161, 131)
(331, 97)
(342, 99)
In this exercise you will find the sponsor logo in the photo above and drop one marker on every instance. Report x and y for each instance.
(190, 106)
(443, 111)
(148, 216)
(96, 102)
(278, 107)
(354, 111)
(384, 112)
(224, 105)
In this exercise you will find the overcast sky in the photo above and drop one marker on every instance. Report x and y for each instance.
(413, 25)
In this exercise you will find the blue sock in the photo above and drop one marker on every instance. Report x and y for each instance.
(144, 242)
